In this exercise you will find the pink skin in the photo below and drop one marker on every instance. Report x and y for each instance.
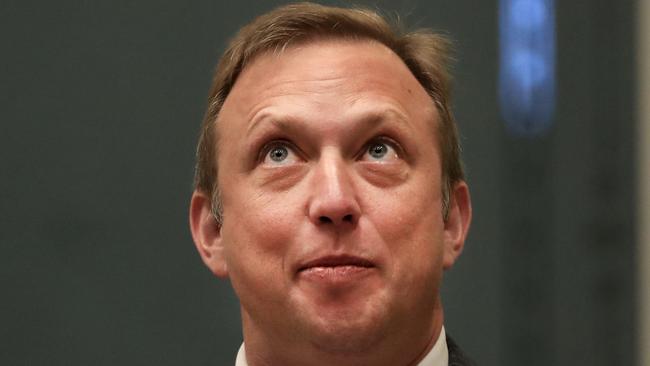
(335, 273)
(336, 254)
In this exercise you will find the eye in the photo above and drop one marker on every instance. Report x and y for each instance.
(380, 150)
(278, 153)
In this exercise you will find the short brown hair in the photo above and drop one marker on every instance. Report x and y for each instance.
(424, 52)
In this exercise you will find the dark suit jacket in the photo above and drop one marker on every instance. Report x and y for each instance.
(456, 356)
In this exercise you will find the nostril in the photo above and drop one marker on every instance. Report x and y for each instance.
(325, 219)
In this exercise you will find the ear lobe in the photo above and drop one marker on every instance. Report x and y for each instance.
(206, 233)
(457, 224)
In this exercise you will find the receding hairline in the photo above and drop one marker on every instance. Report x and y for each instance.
(315, 40)
(319, 41)
(426, 52)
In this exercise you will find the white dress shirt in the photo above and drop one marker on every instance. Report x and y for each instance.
(437, 356)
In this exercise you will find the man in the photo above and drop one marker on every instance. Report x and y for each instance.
(329, 189)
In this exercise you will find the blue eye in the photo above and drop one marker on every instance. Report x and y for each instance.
(378, 150)
(278, 154)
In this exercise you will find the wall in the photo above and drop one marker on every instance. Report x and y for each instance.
(101, 103)
(643, 164)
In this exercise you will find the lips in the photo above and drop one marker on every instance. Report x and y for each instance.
(332, 261)
(336, 273)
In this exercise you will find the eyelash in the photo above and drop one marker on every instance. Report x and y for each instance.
(383, 140)
(266, 148)
(264, 151)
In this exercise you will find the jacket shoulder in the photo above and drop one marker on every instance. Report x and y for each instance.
(456, 355)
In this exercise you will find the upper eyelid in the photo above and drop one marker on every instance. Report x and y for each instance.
(266, 148)
(384, 139)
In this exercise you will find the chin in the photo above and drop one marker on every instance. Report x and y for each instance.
(346, 330)
(347, 340)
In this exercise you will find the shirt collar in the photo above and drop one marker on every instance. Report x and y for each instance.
(437, 356)
(241, 356)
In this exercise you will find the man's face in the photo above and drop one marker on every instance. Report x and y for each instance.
(330, 181)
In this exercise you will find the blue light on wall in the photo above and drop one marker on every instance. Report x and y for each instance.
(527, 65)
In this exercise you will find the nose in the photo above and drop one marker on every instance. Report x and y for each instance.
(333, 198)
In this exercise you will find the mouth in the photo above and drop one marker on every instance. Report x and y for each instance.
(335, 261)
(336, 270)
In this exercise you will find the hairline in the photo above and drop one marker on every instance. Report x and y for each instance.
(278, 50)
(245, 49)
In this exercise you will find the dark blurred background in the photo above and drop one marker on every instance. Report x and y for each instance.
(101, 104)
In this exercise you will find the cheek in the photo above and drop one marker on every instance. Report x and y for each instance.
(415, 238)
(257, 233)
(411, 225)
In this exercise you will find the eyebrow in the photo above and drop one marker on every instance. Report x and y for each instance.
(362, 121)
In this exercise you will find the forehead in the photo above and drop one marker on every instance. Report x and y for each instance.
(326, 73)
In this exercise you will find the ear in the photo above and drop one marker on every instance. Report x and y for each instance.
(206, 233)
(457, 224)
